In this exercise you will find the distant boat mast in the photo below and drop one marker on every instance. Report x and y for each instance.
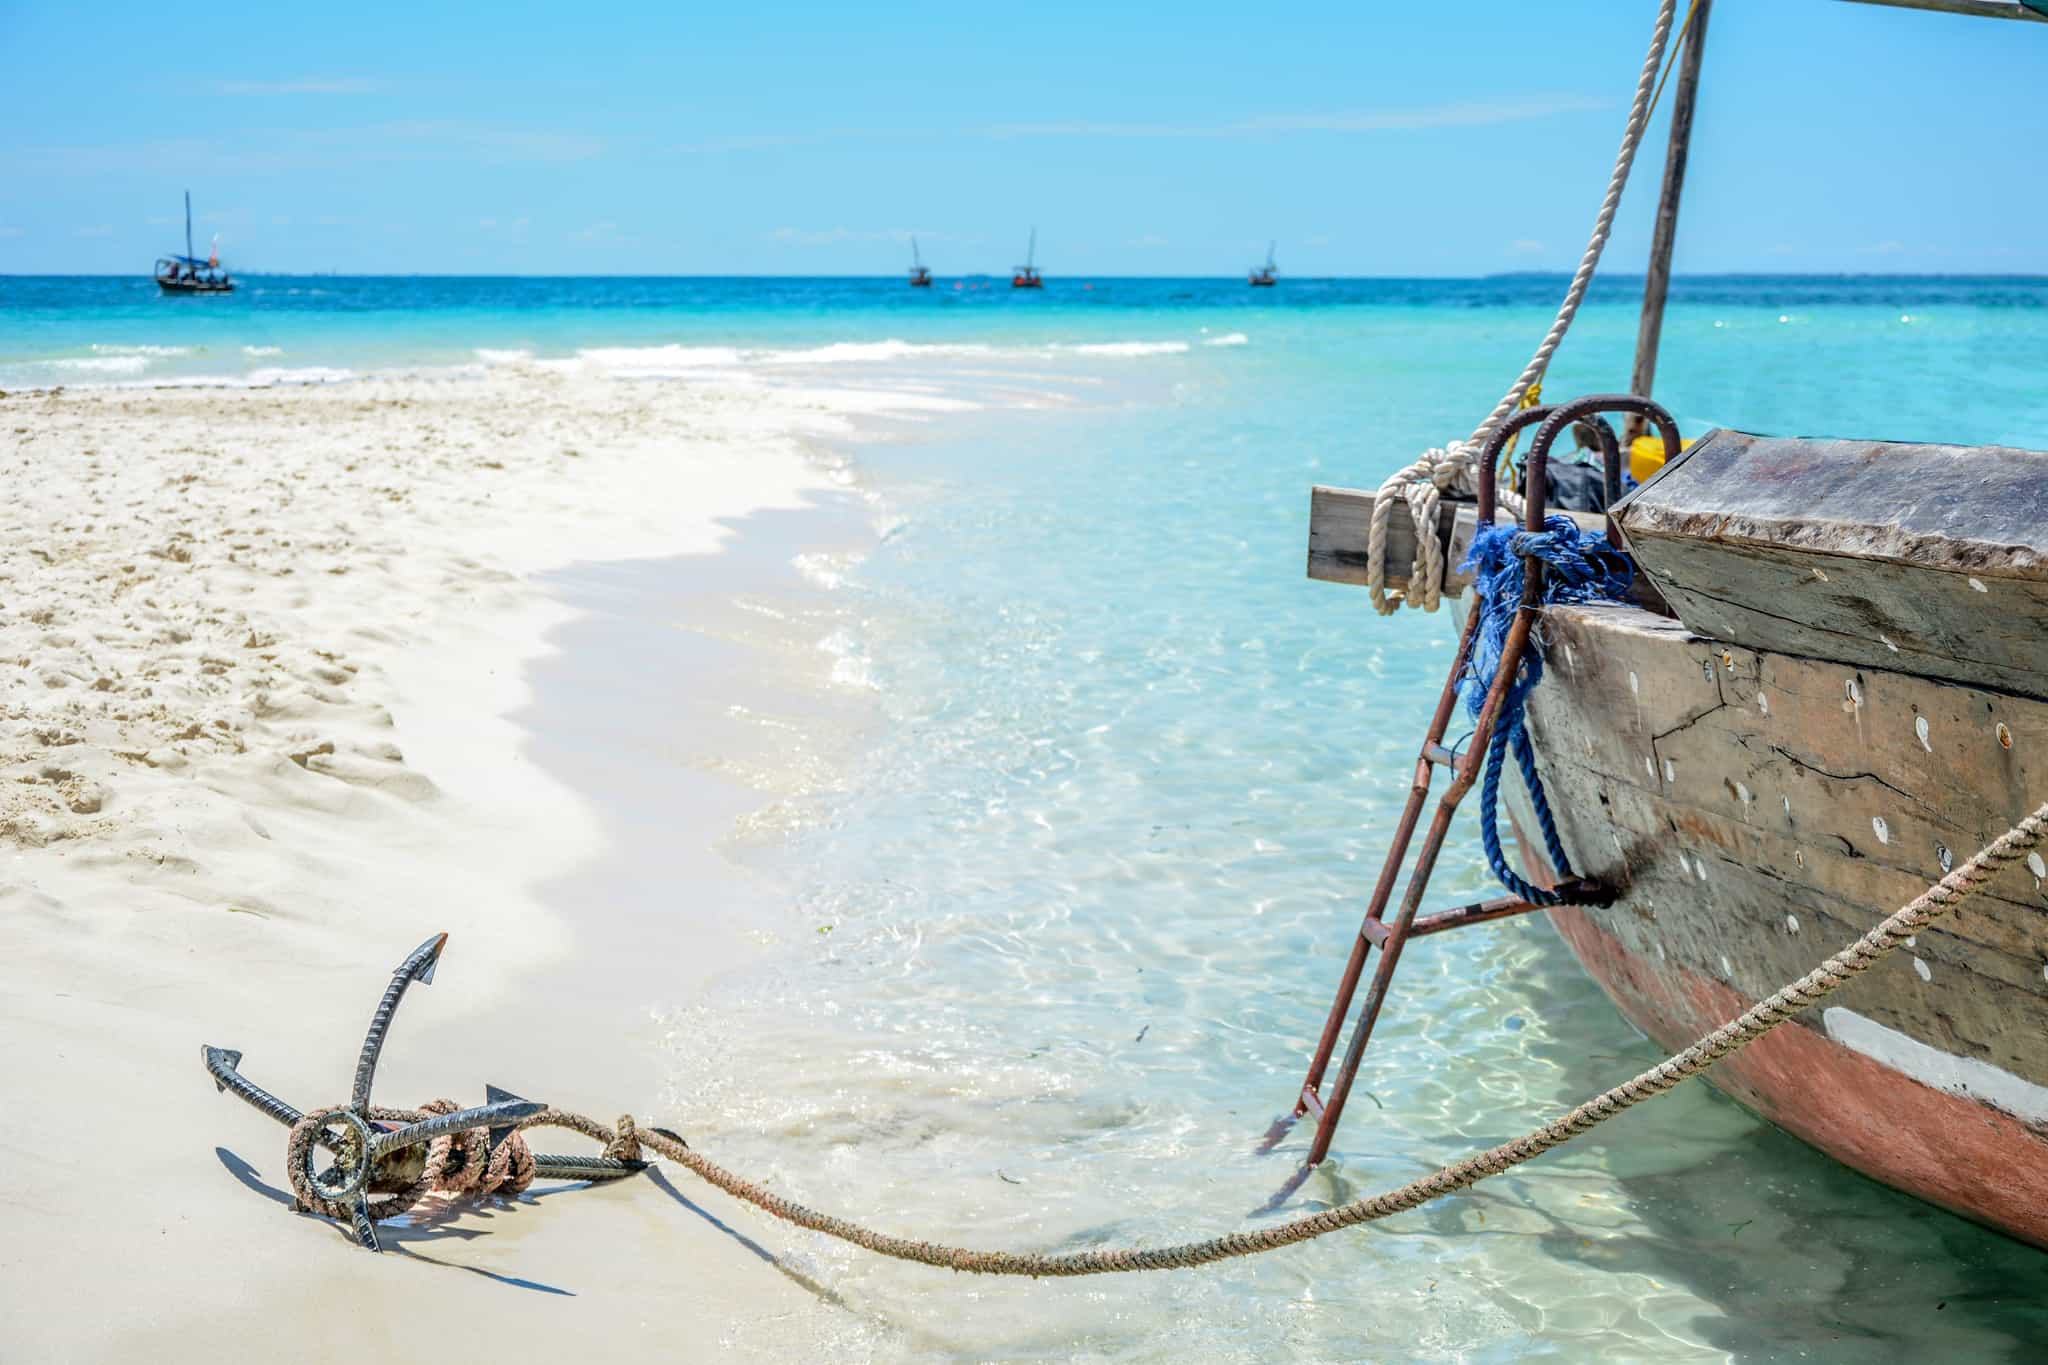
(187, 274)
(1269, 273)
(1026, 275)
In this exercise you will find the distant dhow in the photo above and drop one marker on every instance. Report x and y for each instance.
(1267, 275)
(187, 274)
(1026, 275)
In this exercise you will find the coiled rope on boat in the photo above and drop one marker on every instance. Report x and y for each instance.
(628, 1140)
(1455, 467)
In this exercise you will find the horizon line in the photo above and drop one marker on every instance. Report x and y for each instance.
(1079, 275)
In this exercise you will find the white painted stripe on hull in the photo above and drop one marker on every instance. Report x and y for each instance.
(1963, 1076)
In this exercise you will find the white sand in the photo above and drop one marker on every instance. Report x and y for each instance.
(257, 652)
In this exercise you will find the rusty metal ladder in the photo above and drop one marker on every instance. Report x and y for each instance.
(1391, 936)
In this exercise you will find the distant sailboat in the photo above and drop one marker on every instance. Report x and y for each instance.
(187, 274)
(1267, 275)
(920, 274)
(1026, 275)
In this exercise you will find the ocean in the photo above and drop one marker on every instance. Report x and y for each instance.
(1065, 911)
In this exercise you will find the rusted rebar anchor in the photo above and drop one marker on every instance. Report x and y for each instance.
(1389, 934)
(385, 1151)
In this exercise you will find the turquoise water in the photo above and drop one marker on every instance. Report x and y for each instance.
(1067, 919)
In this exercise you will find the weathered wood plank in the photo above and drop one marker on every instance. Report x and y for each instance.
(1926, 559)
(1760, 810)
(1339, 529)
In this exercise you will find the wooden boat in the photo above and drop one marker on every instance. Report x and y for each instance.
(1267, 275)
(1026, 275)
(920, 274)
(187, 274)
(1831, 688)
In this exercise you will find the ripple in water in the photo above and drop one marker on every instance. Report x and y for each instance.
(1064, 935)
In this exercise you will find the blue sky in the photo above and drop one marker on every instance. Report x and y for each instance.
(1369, 138)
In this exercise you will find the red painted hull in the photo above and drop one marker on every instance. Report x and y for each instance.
(1967, 1157)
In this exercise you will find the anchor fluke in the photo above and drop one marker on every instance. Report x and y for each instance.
(420, 963)
(219, 1059)
(497, 1094)
(418, 966)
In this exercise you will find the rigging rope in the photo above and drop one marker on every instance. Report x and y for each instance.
(627, 1139)
(1421, 485)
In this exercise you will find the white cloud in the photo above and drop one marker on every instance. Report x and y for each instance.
(1525, 246)
(598, 234)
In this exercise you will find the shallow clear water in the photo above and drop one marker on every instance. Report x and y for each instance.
(1069, 927)
(1061, 928)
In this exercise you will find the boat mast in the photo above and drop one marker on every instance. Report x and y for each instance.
(915, 259)
(1657, 283)
(1031, 252)
(1269, 253)
(188, 225)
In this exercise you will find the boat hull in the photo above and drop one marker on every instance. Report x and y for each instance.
(180, 287)
(1759, 812)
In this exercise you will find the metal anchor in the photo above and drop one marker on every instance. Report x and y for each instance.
(373, 1156)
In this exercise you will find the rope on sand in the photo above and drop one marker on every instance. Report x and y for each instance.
(1454, 467)
(626, 1140)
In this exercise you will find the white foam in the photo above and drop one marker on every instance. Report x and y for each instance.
(100, 349)
(259, 351)
(1130, 348)
(497, 357)
(840, 352)
(652, 362)
(1228, 339)
(105, 364)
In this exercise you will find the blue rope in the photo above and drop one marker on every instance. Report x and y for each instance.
(1579, 567)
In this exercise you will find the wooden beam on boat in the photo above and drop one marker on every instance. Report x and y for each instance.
(1976, 9)
(1340, 525)
(1339, 528)
(1657, 281)
(1923, 559)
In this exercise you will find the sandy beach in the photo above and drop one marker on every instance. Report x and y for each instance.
(266, 649)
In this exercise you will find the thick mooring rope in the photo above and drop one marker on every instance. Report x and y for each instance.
(1420, 486)
(457, 1165)
(627, 1139)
